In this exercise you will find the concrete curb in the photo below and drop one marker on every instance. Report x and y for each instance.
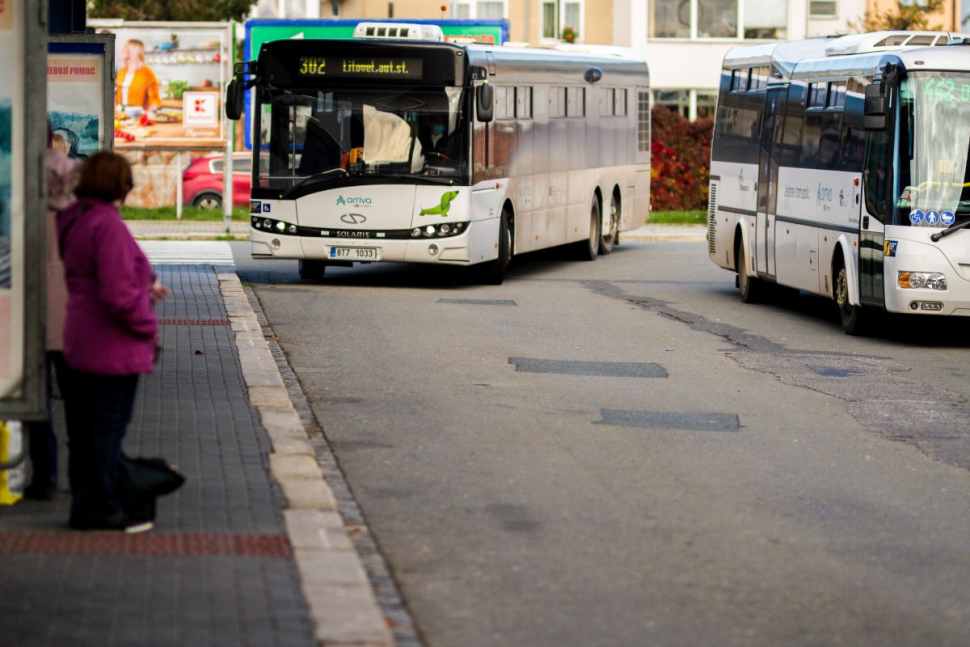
(342, 603)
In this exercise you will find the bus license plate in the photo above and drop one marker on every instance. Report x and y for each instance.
(355, 254)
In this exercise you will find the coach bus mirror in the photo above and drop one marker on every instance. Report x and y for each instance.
(485, 99)
(875, 107)
(234, 99)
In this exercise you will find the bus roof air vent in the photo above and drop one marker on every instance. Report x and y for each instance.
(886, 40)
(398, 31)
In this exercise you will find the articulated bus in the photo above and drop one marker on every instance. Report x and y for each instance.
(839, 166)
(397, 146)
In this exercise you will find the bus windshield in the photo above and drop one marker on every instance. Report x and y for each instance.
(933, 131)
(315, 137)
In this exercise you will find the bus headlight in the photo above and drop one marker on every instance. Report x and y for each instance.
(922, 281)
(439, 231)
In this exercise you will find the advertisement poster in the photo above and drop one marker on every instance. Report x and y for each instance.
(11, 200)
(75, 102)
(164, 76)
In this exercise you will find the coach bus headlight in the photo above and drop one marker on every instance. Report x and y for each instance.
(280, 226)
(291, 229)
(922, 281)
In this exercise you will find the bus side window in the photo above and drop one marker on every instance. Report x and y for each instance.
(875, 173)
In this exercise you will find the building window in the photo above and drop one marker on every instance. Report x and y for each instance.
(692, 104)
(559, 14)
(557, 102)
(823, 8)
(481, 9)
(700, 19)
(675, 100)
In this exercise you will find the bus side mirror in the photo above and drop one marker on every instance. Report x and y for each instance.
(874, 115)
(485, 103)
(235, 99)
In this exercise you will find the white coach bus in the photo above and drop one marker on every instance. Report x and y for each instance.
(397, 146)
(839, 166)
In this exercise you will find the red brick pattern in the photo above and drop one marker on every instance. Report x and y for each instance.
(114, 543)
(193, 322)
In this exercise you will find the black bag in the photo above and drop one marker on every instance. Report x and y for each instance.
(141, 481)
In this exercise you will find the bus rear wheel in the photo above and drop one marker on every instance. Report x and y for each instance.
(611, 237)
(852, 317)
(312, 270)
(588, 249)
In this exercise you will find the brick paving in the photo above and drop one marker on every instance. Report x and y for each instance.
(218, 568)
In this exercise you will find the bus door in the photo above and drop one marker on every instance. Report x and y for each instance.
(774, 116)
(877, 178)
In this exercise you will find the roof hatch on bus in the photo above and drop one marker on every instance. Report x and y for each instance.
(398, 31)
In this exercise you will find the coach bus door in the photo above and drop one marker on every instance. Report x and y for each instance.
(877, 178)
(768, 181)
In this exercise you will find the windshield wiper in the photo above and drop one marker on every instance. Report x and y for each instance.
(437, 179)
(949, 230)
(313, 176)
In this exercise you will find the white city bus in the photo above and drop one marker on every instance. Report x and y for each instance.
(396, 146)
(840, 167)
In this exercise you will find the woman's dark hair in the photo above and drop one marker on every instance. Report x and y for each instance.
(104, 176)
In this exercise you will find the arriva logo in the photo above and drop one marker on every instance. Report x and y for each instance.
(824, 194)
(352, 201)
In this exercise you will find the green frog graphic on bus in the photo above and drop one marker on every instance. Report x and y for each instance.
(442, 208)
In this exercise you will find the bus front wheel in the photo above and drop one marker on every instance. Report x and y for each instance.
(493, 272)
(312, 270)
(751, 287)
(852, 318)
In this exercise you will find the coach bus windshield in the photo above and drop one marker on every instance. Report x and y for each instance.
(317, 137)
(933, 132)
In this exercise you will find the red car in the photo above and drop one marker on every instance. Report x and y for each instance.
(202, 181)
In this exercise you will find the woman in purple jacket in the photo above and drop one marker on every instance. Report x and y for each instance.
(110, 336)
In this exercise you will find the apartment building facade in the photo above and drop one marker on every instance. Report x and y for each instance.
(684, 41)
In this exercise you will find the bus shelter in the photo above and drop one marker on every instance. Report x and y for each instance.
(23, 135)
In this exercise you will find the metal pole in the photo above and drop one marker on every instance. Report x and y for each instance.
(227, 186)
(178, 186)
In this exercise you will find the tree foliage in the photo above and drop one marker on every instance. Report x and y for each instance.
(680, 160)
(908, 16)
(171, 10)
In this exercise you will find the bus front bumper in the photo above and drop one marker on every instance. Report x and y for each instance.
(450, 250)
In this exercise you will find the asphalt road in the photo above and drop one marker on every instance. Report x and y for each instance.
(621, 453)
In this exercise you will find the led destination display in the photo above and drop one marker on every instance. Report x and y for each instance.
(350, 67)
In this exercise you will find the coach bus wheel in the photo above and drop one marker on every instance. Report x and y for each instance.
(312, 270)
(751, 287)
(493, 272)
(609, 238)
(589, 248)
(852, 317)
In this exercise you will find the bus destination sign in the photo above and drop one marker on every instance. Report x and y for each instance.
(349, 67)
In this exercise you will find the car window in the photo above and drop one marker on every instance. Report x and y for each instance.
(242, 165)
(216, 166)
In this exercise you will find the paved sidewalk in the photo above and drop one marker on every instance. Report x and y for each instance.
(251, 551)
(196, 230)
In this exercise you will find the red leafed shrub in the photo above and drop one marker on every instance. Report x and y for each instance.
(680, 163)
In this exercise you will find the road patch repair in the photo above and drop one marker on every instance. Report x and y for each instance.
(479, 302)
(333, 579)
(589, 369)
(670, 420)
